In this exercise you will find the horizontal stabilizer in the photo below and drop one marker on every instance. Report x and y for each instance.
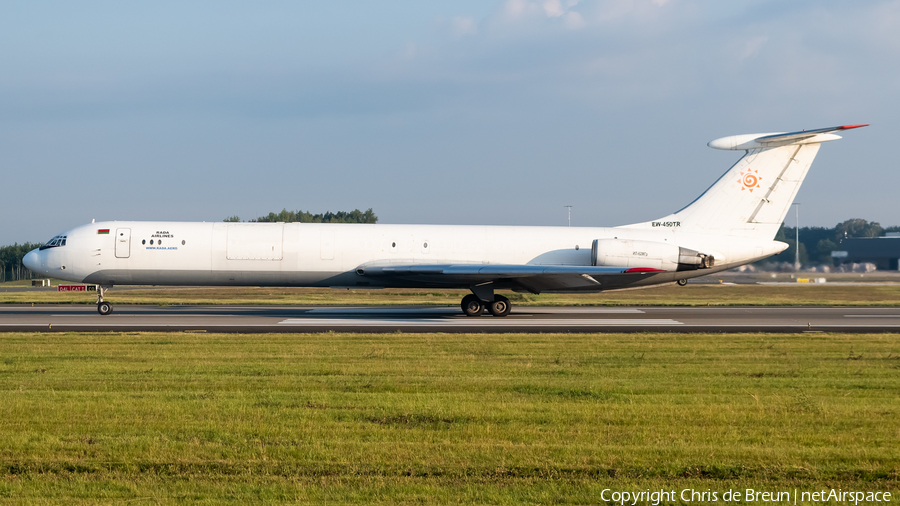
(773, 140)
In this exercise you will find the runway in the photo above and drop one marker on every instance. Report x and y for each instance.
(257, 319)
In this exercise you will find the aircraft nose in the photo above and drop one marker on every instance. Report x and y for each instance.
(31, 261)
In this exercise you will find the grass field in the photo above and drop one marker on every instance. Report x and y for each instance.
(433, 418)
(833, 294)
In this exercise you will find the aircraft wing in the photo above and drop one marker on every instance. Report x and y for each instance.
(532, 278)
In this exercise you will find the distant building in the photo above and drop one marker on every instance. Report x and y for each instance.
(884, 252)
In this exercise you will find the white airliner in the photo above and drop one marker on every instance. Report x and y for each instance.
(734, 222)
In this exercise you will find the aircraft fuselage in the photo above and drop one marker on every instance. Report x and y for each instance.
(330, 255)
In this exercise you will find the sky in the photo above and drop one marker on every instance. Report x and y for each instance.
(462, 112)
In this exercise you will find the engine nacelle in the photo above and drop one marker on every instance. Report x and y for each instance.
(658, 255)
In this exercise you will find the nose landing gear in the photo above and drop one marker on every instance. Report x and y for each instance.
(103, 307)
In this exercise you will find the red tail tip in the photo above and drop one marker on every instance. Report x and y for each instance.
(848, 127)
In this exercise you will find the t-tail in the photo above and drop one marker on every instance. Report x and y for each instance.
(752, 198)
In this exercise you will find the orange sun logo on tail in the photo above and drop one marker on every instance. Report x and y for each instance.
(749, 180)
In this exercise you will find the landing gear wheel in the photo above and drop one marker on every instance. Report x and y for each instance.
(472, 305)
(681, 282)
(104, 308)
(500, 306)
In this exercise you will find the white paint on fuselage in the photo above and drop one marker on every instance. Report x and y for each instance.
(329, 254)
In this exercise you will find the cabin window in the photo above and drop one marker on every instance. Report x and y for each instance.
(182, 243)
(151, 242)
(143, 241)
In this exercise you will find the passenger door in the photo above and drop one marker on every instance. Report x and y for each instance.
(123, 242)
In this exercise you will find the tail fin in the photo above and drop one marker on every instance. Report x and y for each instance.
(752, 198)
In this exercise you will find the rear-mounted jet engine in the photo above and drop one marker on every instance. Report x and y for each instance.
(658, 255)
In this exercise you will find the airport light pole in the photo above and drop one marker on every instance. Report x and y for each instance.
(570, 214)
(797, 239)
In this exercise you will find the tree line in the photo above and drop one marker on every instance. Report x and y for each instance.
(817, 243)
(11, 268)
(285, 216)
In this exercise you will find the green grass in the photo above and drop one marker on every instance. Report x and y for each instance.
(437, 418)
(834, 294)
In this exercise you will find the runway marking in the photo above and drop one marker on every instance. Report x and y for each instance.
(382, 310)
(471, 322)
(872, 316)
(511, 323)
(453, 310)
(589, 310)
(141, 315)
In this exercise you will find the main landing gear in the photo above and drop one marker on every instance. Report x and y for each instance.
(481, 298)
(103, 307)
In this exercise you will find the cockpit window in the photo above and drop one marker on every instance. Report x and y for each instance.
(56, 242)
